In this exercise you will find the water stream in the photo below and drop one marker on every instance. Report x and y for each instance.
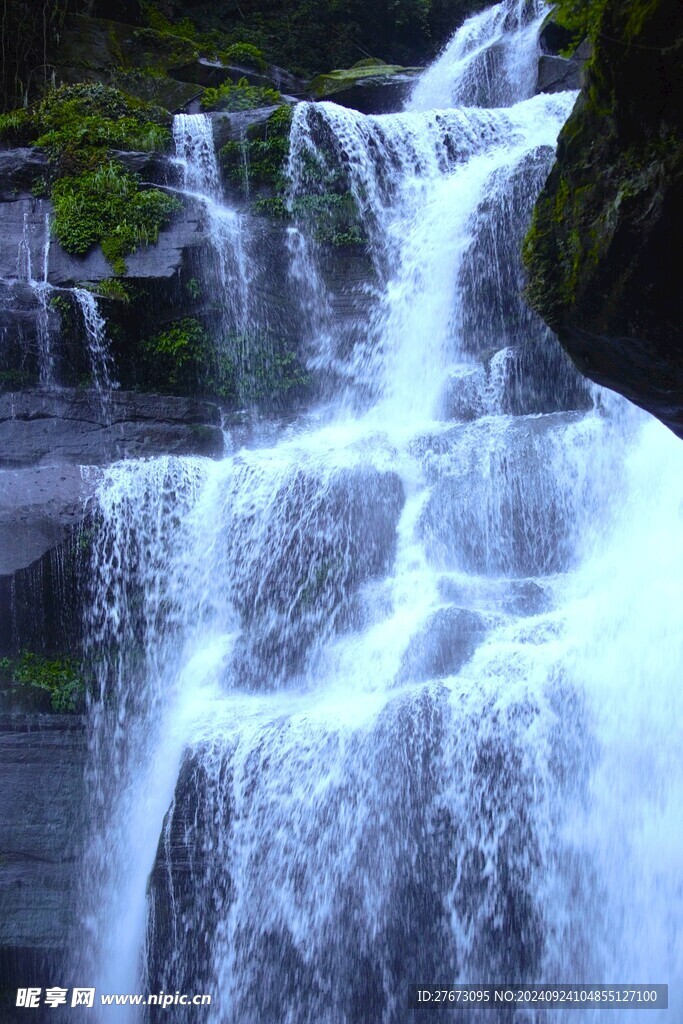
(396, 697)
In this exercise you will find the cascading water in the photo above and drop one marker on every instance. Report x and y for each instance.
(196, 156)
(395, 699)
(35, 242)
(96, 338)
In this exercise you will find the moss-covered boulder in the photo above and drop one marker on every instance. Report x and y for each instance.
(608, 222)
(370, 86)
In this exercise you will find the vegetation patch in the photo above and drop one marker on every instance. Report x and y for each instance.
(107, 206)
(31, 675)
(239, 96)
(95, 200)
(78, 124)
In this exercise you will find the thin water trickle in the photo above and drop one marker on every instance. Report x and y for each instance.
(392, 698)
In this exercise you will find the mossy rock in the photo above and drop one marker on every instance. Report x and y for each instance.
(370, 71)
(609, 216)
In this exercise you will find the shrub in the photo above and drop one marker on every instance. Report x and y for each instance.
(108, 206)
(244, 53)
(239, 96)
(59, 677)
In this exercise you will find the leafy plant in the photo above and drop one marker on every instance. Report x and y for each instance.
(265, 155)
(244, 53)
(239, 96)
(177, 356)
(59, 677)
(108, 207)
(113, 288)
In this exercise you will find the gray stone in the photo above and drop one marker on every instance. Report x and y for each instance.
(25, 224)
(447, 640)
(19, 169)
(213, 73)
(465, 394)
(152, 168)
(558, 74)
(42, 759)
(230, 127)
(66, 425)
(39, 506)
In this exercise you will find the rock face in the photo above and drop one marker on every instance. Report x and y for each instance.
(38, 508)
(52, 442)
(25, 224)
(81, 427)
(608, 221)
(42, 760)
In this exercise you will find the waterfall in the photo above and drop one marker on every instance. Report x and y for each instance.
(230, 274)
(96, 338)
(393, 695)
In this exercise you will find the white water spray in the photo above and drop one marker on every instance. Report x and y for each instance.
(413, 685)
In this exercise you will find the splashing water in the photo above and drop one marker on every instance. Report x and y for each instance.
(201, 180)
(97, 341)
(395, 698)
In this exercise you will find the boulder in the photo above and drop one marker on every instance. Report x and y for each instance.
(442, 646)
(212, 73)
(39, 507)
(370, 86)
(553, 37)
(558, 74)
(235, 125)
(66, 425)
(609, 217)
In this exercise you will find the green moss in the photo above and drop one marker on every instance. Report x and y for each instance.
(107, 206)
(345, 78)
(580, 17)
(60, 678)
(239, 96)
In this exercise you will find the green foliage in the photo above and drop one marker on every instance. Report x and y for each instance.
(160, 23)
(245, 54)
(264, 155)
(177, 357)
(580, 17)
(72, 121)
(108, 207)
(113, 289)
(239, 96)
(271, 374)
(257, 163)
(61, 678)
(194, 288)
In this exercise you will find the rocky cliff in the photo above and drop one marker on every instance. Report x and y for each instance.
(607, 227)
